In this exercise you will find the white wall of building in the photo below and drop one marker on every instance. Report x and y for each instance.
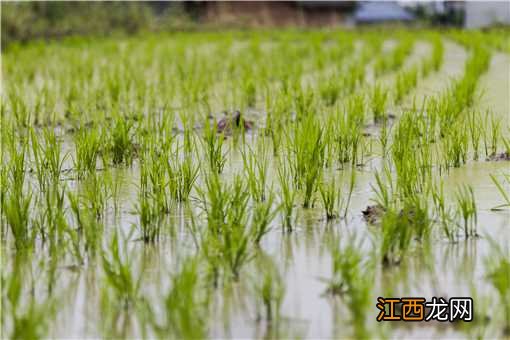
(486, 13)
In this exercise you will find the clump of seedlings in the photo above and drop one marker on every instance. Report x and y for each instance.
(378, 102)
(465, 198)
(87, 144)
(307, 146)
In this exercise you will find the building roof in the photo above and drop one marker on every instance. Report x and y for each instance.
(380, 12)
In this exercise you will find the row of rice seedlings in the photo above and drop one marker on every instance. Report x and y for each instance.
(405, 81)
(335, 87)
(436, 59)
(395, 59)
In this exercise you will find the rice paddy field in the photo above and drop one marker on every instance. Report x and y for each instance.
(254, 184)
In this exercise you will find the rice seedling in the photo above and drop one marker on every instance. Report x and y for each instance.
(213, 145)
(378, 102)
(348, 130)
(120, 145)
(182, 176)
(330, 90)
(475, 132)
(87, 145)
(287, 194)
(491, 147)
(465, 198)
(444, 215)
(263, 215)
(17, 201)
(456, 147)
(96, 194)
(307, 147)
(330, 194)
(148, 209)
(255, 167)
(400, 227)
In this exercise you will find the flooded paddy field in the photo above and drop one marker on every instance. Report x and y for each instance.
(267, 184)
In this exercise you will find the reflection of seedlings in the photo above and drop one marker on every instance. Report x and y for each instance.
(270, 290)
(27, 319)
(186, 305)
(119, 273)
(502, 191)
(498, 274)
(352, 280)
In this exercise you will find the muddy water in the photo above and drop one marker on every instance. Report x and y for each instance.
(447, 269)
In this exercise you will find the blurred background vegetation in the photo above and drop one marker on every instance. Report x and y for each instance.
(25, 21)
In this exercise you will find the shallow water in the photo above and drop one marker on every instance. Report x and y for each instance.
(446, 269)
